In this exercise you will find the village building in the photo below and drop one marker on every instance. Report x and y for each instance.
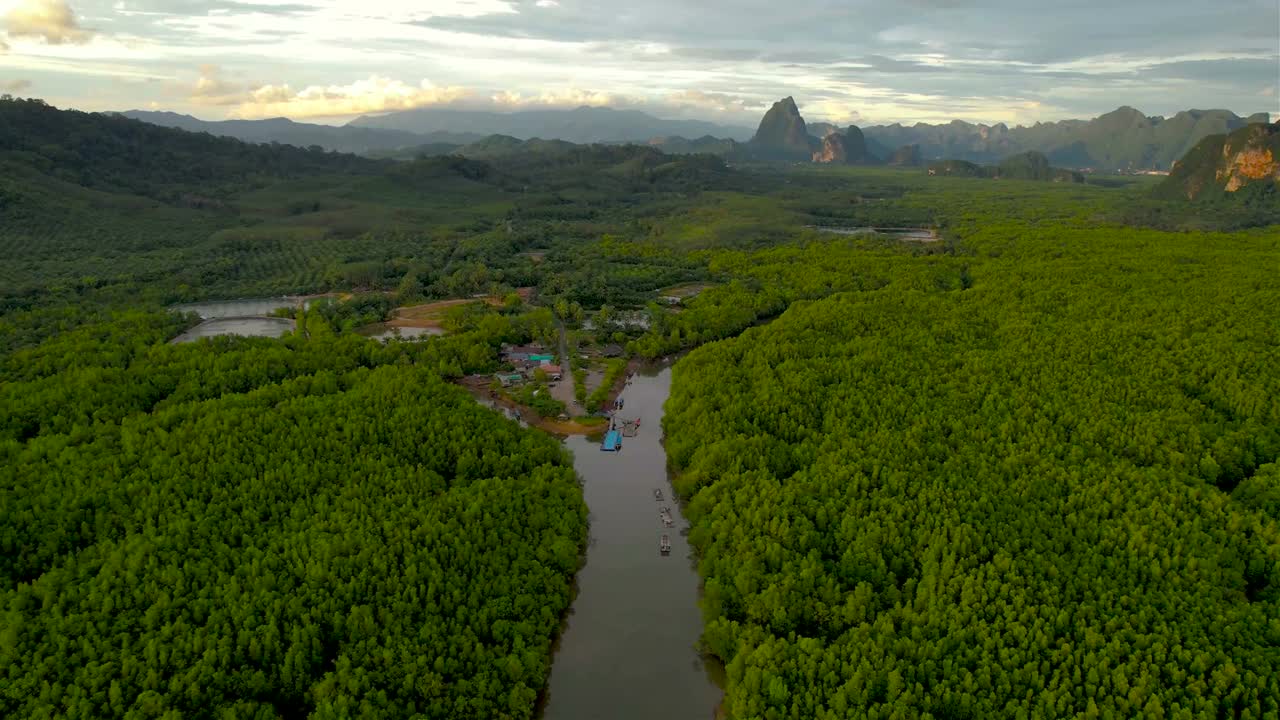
(509, 379)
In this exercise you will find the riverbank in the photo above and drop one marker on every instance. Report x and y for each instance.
(480, 386)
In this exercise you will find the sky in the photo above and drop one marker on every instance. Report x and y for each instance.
(1011, 61)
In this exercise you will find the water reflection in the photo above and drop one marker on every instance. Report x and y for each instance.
(245, 307)
(248, 326)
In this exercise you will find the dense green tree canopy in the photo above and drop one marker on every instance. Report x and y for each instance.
(1013, 500)
(319, 527)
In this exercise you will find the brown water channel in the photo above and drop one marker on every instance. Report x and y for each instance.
(629, 647)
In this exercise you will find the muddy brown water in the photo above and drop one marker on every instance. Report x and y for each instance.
(629, 648)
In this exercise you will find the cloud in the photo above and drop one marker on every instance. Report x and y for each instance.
(4, 47)
(15, 85)
(719, 102)
(374, 95)
(1236, 70)
(919, 60)
(50, 20)
(572, 97)
(880, 63)
(212, 89)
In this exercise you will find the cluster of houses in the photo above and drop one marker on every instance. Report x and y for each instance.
(525, 361)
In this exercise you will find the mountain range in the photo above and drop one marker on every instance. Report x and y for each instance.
(1124, 139)
(359, 140)
(436, 131)
(580, 125)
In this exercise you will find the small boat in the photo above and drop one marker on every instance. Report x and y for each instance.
(664, 545)
(666, 519)
(618, 403)
(612, 441)
(657, 494)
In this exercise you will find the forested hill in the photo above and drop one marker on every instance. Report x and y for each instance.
(1023, 166)
(117, 154)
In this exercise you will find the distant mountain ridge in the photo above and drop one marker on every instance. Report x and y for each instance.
(580, 125)
(1124, 139)
(288, 132)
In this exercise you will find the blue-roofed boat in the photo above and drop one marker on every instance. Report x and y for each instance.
(612, 441)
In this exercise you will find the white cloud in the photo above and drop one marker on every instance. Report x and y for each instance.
(374, 95)
(547, 4)
(719, 102)
(412, 10)
(50, 20)
(212, 89)
(571, 97)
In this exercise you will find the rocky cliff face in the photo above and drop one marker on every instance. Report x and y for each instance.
(1249, 156)
(1223, 165)
(833, 150)
(782, 134)
(845, 148)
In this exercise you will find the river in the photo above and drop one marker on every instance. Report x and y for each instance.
(628, 648)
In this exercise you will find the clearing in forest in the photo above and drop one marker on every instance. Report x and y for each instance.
(684, 291)
(431, 315)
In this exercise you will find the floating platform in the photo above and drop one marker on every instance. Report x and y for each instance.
(612, 441)
(664, 545)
